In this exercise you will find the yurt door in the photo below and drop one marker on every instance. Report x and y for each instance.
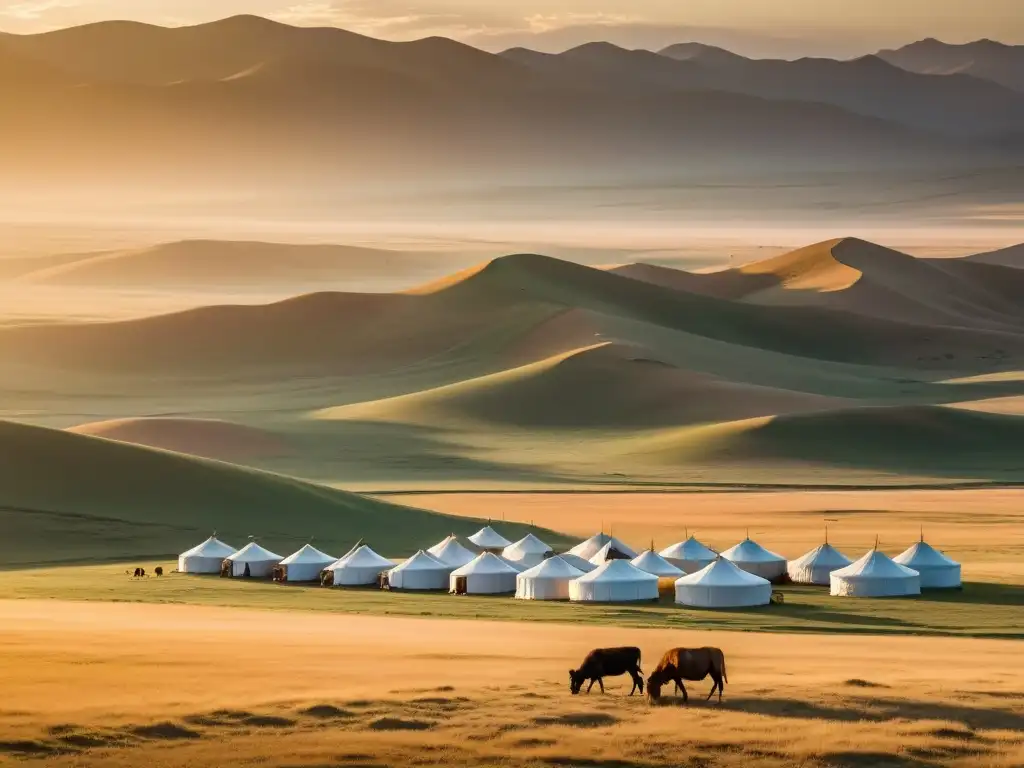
(461, 587)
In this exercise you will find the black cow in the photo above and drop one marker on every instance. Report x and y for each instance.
(607, 662)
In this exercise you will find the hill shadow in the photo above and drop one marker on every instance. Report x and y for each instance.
(979, 593)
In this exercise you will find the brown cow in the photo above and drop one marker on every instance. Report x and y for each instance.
(607, 662)
(688, 664)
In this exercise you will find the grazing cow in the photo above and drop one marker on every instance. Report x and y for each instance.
(607, 662)
(688, 664)
(159, 571)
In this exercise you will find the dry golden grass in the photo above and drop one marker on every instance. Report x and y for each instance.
(161, 686)
(983, 529)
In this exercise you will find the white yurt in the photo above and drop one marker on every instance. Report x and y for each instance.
(817, 565)
(613, 550)
(617, 581)
(489, 540)
(488, 574)
(601, 542)
(590, 547)
(689, 556)
(875, 575)
(422, 571)
(304, 565)
(259, 562)
(653, 563)
(936, 570)
(360, 567)
(547, 581)
(577, 562)
(723, 585)
(528, 551)
(206, 557)
(451, 552)
(755, 559)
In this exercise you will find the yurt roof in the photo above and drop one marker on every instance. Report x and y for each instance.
(651, 562)
(722, 573)
(451, 552)
(749, 551)
(824, 555)
(308, 554)
(590, 547)
(528, 545)
(581, 564)
(875, 565)
(617, 570)
(253, 553)
(487, 562)
(363, 557)
(691, 549)
(553, 568)
(488, 538)
(924, 555)
(422, 561)
(212, 547)
(608, 549)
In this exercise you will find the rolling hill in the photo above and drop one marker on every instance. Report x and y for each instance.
(933, 440)
(863, 278)
(1006, 257)
(485, 313)
(607, 386)
(69, 497)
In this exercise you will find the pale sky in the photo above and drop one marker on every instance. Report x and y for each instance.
(755, 27)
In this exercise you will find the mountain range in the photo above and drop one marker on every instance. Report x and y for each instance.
(250, 100)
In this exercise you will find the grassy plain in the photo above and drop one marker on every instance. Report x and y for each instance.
(169, 686)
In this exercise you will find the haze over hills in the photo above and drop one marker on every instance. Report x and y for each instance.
(246, 99)
(954, 104)
(1000, 63)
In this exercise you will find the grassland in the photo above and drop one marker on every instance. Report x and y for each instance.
(172, 686)
(979, 610)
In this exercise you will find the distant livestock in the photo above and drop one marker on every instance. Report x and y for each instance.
(138, 573)
(693, 664)
(607, 662)
(159, 571)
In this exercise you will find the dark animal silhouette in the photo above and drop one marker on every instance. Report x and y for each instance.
(247, 573)
(138, 573)
(607, 662)
(693, 664)
(159, 571)
(326, 578)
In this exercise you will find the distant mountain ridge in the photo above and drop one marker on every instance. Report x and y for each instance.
(998, 62)
(250, 100)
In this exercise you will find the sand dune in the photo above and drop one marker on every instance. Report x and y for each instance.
(599, 387)
(204, 262)
(73, 497)
(861, 277)
(480, 314)
(209, 438)
(1007, 257)
(897, 439)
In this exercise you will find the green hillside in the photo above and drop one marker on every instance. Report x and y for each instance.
(67, 497)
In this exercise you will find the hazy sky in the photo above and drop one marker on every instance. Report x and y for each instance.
(756, 27)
